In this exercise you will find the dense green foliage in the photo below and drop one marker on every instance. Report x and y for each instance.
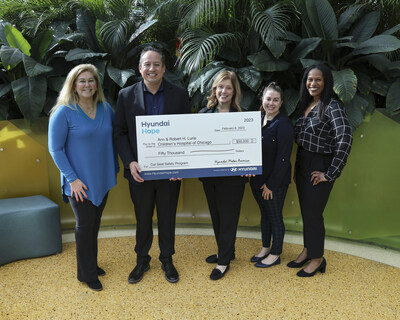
(263, 41)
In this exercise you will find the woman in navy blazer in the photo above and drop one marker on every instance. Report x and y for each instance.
(224, 194)
(269, 189)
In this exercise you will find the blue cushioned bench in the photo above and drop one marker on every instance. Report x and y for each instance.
(29, 228)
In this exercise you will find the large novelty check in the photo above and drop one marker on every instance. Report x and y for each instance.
(199, 145)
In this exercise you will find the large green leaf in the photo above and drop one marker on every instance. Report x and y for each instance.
(41, 43)
(301, 7)
(251, 77)
(33, 68)
(290, 100)
(10, 57)
(309, 62)
(379, 61)
(292, 36)
(3, 37)
(30, 95)
(393, 97)
(380, 87)
(371, 102)
(276, 47)
(142, 28)
(304, 47)
(86, 25)
(120, 77)
(16, 39)
(364, 82)
(230, 53)
(249, 100)
(377, 44)
(345, 84)
(4, 89)
(197, 80)
(322, 18)
(72, 37)
(348, 17)
(81, 54)
(392, 30)
(101, 68)
(56, 83)
(266, 62)
(356, 110)
(59, 28)
(197, 101)
(365, 27)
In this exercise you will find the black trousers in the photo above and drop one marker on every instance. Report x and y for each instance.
(224, 202)
(272, 225)
(312, 199)
(88, 218)
(162, 194)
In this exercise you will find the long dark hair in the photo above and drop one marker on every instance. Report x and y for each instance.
(327, 94)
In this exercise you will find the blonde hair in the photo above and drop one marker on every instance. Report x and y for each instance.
(68, 95)
(225, 75)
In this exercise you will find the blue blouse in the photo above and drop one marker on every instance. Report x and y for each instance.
(83, 148)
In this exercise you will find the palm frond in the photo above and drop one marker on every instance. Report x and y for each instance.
(200, 46)
(114, 34)
(203, 12)
(97, 7)
(271, 23)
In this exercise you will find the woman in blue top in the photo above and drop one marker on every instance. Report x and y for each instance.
(269, 189)
(81, 144)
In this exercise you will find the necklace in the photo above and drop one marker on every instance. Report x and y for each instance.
(89, 111)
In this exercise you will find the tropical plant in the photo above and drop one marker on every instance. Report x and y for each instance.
(356, 54)
(103, 32)
(31, 73)
(254, 42)
(217, 34)
(111, 31)
(33, 16)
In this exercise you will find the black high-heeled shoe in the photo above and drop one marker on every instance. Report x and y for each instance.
(294, 264)
(321, 268)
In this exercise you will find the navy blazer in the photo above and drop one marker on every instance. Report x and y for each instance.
(277, 143)
(130, 104)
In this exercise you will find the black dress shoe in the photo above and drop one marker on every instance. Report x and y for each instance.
(95, 285)
(257, 259)
(100, 271)
(217, 274)
(171, 274)
(294, 264)
(137, 273)
(259, 264)
(214, 258)
(321, 268)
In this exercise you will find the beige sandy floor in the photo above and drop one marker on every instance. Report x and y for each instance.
(46, 288)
